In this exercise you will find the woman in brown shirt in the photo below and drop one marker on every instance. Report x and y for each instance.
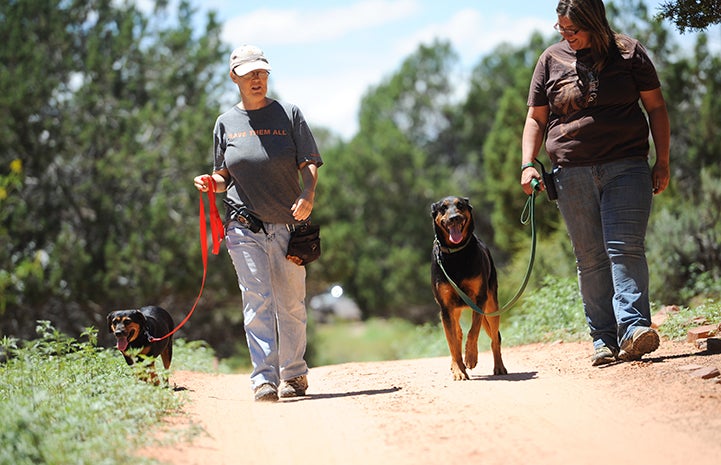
(584, 99)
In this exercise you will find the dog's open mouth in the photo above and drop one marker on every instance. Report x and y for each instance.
(455, 232)
(122, 343)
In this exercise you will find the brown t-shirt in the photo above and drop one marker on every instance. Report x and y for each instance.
(594, 117)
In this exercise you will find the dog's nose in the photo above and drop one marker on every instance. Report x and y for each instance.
(456, 218)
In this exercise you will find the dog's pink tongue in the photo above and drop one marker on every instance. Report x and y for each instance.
(455, 234)
(122, 344)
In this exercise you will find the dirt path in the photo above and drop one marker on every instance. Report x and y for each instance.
(553, 408)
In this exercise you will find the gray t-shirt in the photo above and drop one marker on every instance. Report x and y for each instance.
(262, 150)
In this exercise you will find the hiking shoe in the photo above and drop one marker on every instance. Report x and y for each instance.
(643, 341)
(294, 387)
(604, 355)
(266, 392)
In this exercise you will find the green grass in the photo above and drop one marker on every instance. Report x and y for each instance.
(64, 401)
(373, 340)
(678, 323)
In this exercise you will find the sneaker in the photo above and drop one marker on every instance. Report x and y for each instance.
(266, 392)
(643, 341)
(294, 387)
(604, 355)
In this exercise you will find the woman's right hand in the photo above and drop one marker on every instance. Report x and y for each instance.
(527, 177)
(202, 182)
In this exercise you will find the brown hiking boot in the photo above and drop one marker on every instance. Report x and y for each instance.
(643, 341)
(604, 355)
(266, 392)
(294, 387)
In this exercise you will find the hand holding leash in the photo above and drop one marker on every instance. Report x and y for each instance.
(530, 179)
(203, 182)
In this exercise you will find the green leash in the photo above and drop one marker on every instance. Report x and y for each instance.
(527, 215)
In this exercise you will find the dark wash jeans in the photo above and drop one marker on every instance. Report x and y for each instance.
(606, 209)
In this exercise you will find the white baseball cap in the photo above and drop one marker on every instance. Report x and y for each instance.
(247, 58)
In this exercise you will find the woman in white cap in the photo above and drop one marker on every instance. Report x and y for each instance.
(263, 148)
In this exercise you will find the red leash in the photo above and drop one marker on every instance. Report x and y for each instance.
(216, 230)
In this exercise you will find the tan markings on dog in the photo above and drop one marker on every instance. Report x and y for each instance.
(473, 286)
(132, 328)
(446, 292)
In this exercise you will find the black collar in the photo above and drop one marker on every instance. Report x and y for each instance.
(450, 250)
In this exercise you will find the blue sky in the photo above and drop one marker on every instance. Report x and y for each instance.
(326, 54)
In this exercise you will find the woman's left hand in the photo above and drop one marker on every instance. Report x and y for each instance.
(302, 207)
(304, 203)
(660, 177)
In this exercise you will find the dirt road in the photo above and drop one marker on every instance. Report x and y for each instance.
(552, 408)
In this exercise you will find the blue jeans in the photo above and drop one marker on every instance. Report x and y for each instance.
(606, 209)
(273, 290)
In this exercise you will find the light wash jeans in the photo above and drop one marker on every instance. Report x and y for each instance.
(606, 209)
(273, 290)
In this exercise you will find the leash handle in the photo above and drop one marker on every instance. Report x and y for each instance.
(216, 224)
(216, 227)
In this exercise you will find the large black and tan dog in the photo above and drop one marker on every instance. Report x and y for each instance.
(468, 262)
(133, 329)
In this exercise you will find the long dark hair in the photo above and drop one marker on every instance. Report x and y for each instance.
(590, 16)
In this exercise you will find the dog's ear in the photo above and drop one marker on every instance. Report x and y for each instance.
(138, 317)
(467, 202)
(434, 208)
(111, 315)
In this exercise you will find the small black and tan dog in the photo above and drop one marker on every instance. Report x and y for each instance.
(468, 262)
(133, 329)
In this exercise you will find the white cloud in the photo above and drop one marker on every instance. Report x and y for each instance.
(304, 25)
(331, 101)
(473, 34)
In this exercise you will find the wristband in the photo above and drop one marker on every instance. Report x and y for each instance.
(527, 165)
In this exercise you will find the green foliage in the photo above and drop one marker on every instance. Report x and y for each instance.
(684, 243)
(490, 123)
(502, 151)
(66, 401)
(197, 356)
(376, 191)
(678, 323)
(553, 311)
(373, 340)
(692, 14)
(108, 111)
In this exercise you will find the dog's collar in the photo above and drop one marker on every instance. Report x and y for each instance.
(449, 250)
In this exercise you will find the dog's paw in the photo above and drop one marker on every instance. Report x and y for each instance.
(459, 373)
(471, 359)
(500, 370)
